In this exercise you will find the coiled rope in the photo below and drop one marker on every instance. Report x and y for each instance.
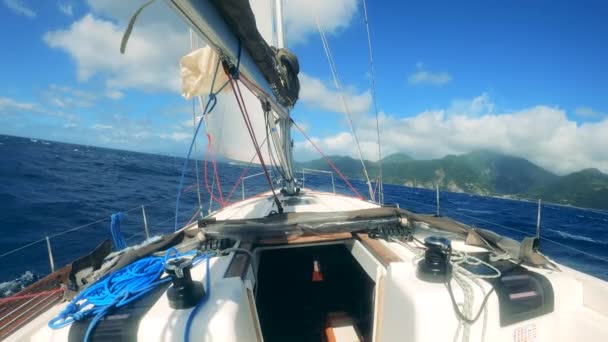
(463, 277)
(118, 289)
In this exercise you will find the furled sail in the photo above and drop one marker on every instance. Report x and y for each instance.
(202, 73)
(251, 25)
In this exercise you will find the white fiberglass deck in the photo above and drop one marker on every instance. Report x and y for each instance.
(308, 201)
(406, 308)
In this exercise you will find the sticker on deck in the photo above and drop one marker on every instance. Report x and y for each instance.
(527, 333)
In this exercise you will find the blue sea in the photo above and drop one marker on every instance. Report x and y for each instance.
(68, 192)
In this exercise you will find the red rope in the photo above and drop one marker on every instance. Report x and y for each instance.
(209, 190)
(37, 294)
(193, 217)
(240, 179)
(189, 188)
(328, 161)
(217, 178)
(249, 84)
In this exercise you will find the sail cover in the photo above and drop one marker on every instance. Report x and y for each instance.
(279, 66)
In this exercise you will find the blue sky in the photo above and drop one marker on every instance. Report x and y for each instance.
(527, 78)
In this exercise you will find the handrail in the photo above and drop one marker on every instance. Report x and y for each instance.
(315, 170)
(44, 239)
(243, 182)
(505, 227)
(304, 170)
(333, 184)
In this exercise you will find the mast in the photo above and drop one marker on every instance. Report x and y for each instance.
(204, 18)
(207, 20)
(290, 184)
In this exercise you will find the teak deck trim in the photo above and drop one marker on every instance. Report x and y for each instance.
(379, 250)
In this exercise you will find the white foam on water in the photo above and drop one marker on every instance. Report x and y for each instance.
(9, 288)
(576, 237)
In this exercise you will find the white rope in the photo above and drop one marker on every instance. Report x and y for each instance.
(375, 101)
(460, 275)
(338, 84)
(198, 182)
(469, 297)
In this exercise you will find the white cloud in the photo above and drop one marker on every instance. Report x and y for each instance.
(65, 8)
(332, 15)
(589, 112)
(101, 127)
(20, 8)
(177, 136)
(479, 105)
(425, 77)
(315, 93)
(160, 38)
(68, 97)
(150, 62)
(10, 106)
(114, 94)
(541, 134)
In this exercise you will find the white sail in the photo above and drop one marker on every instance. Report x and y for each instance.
(228, 133)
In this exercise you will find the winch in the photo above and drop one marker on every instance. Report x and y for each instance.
(435, 267)
(184, 293)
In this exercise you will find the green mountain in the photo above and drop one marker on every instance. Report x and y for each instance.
(396, 158)
(586, 188)
(482, 172)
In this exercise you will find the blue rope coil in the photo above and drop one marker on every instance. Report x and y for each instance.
(209, 106)
(117, 239)
(119, 289)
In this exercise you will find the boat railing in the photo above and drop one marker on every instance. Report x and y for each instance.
(51, 243)
(138, 220)
(243, 182)
(537, 233)
(331, 174)
(301, 181)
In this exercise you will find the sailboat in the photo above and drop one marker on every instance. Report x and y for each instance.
(291, 263)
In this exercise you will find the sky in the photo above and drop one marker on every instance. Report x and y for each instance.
(526, 78)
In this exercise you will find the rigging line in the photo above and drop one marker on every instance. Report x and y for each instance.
(338, 84)
(212, 98)
(240, 179)
(198, 182)
(327, 159)
(241, 102)
(216, 175)
(375, 101)
(210, 190)
(575, 249)
(278, 169)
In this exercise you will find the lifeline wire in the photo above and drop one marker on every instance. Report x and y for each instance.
(375, 101)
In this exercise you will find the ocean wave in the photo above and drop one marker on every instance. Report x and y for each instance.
(9, 288)
(576, 237)
(476, 211)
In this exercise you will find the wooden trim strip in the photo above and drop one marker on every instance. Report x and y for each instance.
(240, 263)
(378, 249)
(307, 239)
